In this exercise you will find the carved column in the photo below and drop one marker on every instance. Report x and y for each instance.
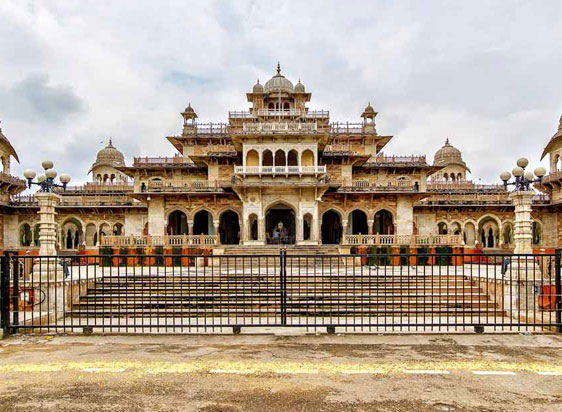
(47, 225)
(523, 231)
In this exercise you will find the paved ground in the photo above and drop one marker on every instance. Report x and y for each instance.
(420, 373)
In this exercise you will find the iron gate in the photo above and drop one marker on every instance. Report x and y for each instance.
(165, 293)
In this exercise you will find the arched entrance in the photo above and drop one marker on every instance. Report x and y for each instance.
(72, 234)
(331, 228)
(280, 225)
(177, 223)
(383, 224)
(357, 223)
(229, 228)
(203, 223)
(488, 232)
(253, 225)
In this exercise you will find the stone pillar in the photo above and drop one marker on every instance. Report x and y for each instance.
(216, 232)
(404, 216)
(190, 227)
(49, 266)
(523, 231)
(156, 219)
(47, 225)
(343, 231)
(370, 223)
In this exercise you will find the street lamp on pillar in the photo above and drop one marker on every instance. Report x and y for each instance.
(523, 180)
(46, 180)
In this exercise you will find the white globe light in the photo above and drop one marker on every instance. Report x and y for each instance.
(41, 178)
(64, 178)
(517, 171)
(51, 173)
(505, 176)
(47, 164)
(522, 162)
(540, 171)
(529, 175)
(29, 174)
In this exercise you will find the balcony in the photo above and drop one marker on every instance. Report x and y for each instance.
(81, 200)
(344, 150)
(12, 180)
(212, 186)
(399, 160)
(279, 127)
(160, 161)
(215, 150)
(387, 186)
(347, 128)
(279, 170)
(403, 240)
(154, 241)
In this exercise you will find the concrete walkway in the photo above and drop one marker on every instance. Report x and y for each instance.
(422, 373)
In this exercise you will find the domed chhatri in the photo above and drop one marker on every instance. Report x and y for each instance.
(448, 154)
(109, 155)
(258, 88)
(450, 158)
(299, 87)
(278, 83)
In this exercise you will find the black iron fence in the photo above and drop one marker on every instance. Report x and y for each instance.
(200, 293)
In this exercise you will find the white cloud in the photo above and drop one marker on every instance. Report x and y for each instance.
(485, 74)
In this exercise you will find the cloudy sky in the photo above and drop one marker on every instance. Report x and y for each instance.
(485, 74)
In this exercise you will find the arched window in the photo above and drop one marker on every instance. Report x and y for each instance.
(203, 223)
(307, 158)
(442, 228)
(252, 158)
(357, 223)
(459, 177)
(280, 158)
(286, 106)
(446, 177)
(267, 158)
(306, 226)
(271, 106)
(177, 223)
(292, 159)
(383, 224)
(537, 233)
(25, 235)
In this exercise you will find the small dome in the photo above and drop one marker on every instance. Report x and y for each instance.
(109, 155)
(299, 87)
(448, 155)
(278, 83)
(258, 88)
(369, 109)
(188, 109)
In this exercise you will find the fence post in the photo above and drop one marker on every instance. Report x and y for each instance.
(15, 293)
(5, 294)
(283, 285)
(558, 287)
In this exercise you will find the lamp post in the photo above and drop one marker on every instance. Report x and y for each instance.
(48, 200)
(522, 197)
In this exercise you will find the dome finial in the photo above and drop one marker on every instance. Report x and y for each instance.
(278, 68)
(447, 141)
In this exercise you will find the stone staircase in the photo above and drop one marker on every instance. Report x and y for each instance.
(250, 295)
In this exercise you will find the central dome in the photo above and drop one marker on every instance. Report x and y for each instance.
(109, 155)
(447, 155)
(278, 83)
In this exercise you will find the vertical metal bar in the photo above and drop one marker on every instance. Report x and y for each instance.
(5, 294)
(15, 293)
(558, 293)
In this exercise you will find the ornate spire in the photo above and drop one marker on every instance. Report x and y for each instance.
(278, 68)
(110, 143)
(447, 142)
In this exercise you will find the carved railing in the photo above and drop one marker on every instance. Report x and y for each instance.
(193, 186)
(166, 240)
(344, 148)
(214, 150)
(405, 240)
(385, 186)
(6, 178)
(383, 159)
(272, 170)
(440, 186)
(347, 128)
(279, 127)
(155, 161)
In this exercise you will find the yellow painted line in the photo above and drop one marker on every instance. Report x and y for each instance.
(256, 367)
(427, 372)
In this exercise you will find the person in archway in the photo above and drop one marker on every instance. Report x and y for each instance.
(280, 234)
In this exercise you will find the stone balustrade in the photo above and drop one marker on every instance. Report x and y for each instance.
(155, 241)
(403, 240)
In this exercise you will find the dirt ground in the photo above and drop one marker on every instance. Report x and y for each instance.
(224, 373)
